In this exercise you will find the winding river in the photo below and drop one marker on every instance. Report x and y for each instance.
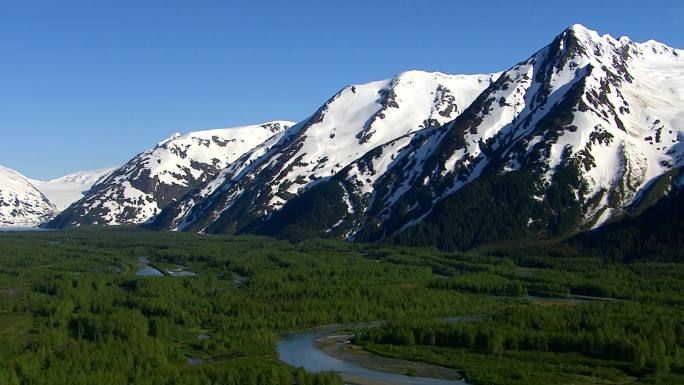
(300, 350)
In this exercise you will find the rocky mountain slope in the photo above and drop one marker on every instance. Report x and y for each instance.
(565, 140)
(155, 178)
(21, 203)
(356, 120)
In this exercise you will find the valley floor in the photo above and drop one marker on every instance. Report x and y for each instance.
(73, 311)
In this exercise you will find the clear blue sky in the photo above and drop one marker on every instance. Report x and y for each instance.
(87, 84)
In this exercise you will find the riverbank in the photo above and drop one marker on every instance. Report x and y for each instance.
(340, 347)
(327, 350)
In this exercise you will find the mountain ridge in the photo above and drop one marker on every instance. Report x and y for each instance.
(138, 190)
(566, 140)
(355, 120)
(540, 96)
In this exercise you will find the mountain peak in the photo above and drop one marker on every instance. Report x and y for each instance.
(174, 136)
(589, 37)
(579, 28)
(584, 33)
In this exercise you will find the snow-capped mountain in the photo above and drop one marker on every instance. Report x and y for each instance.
(21, 203)
(354, 121)
(562, 141)
(155, 178)
(65, 190)
(582, 132)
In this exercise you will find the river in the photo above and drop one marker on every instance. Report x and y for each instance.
(299, 350)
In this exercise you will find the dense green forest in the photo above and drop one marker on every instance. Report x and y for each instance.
(654, 233)
(542, 344)
(73, 310)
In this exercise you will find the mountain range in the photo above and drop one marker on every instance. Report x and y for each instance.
(580, 135)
